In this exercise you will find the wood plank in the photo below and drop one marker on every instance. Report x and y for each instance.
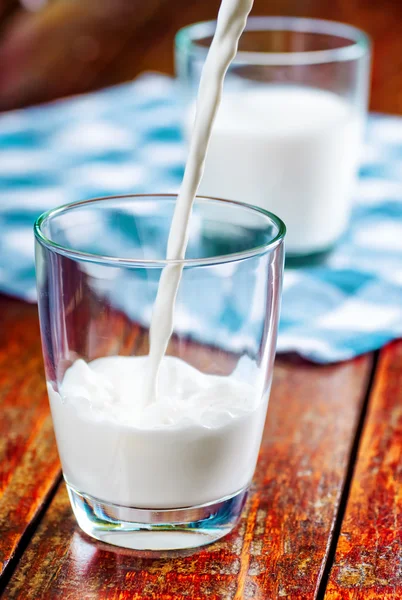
(279, 548)
(29, 465)
(368, 558)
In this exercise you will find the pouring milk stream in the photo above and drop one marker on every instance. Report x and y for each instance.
(230, 25)
(197, 440)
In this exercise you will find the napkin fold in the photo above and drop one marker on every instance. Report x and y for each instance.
(127, 139)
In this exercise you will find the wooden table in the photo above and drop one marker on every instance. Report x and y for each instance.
(324, 518)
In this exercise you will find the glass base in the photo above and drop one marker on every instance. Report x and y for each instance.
(141, 529)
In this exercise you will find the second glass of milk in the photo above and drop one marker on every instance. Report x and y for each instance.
(288, 133)
(171, 471)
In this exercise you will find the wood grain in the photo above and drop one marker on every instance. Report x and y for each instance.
(29, 465)
(280, 546)
(368, 558)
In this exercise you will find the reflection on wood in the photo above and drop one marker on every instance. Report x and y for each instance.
(29, 465)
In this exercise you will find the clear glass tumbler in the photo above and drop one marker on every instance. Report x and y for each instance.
(288, 133)
(173, 473)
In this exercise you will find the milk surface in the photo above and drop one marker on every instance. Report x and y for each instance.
(291, 150)
(197, 443)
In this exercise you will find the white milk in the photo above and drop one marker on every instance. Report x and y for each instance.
(198, 443)
(291, 150)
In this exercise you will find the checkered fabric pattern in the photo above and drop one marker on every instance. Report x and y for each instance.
(127, 139)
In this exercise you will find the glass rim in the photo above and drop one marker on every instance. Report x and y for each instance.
(187, 37)
(158, 263)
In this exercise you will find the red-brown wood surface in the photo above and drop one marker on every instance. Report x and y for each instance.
(280, 547)
(368, 559)
(29, 464)
(73, 46)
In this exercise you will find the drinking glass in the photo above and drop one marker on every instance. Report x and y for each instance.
(288, 133)
(173, 479)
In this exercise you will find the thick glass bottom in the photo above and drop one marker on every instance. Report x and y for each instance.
(141, 529)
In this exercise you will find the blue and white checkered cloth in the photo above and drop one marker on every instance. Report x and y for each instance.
(127, 139)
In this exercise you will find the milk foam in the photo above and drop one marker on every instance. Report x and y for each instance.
(112, 388)
(197, 443)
